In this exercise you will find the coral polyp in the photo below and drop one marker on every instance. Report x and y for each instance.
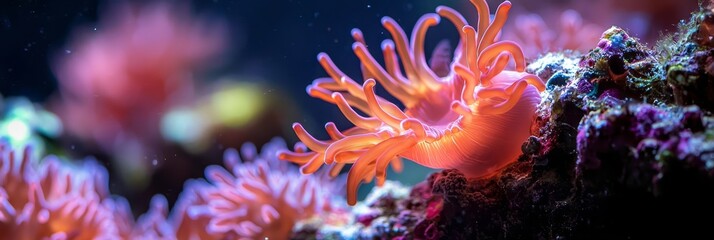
(474, 119)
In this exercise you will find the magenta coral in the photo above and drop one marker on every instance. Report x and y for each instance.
(259, 198)
(473, 119)
(51, 200)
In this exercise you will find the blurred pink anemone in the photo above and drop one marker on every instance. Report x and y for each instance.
(51, 200)
(475, 118)
(537, 38)
(117, 81)
(258, 197)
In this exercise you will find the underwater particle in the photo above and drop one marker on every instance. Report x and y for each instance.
(53, 200)
(536, 38)
(258, 196)
(474, 119)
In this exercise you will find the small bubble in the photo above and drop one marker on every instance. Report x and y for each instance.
(154, 162)
(72, 147)
(67, 51)
(369, 6)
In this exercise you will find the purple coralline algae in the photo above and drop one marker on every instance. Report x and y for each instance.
(655, 164)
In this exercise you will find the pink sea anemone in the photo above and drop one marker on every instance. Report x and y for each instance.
(259, 198)
(117, 80)
(474, 119)
(537, 38)
(153, 224)
(53, 201)
(156, 223)
(122, 217)
(187, 222)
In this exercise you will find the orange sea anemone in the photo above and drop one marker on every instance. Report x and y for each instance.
(474, 119)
